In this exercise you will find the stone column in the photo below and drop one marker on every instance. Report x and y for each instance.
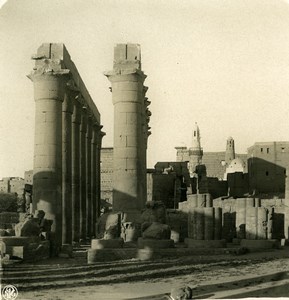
(101, 134)
(76, 120)
(67, 110)
(49, 86)
(83, 130)
(127, 93)
(95, 178)
(88, 177)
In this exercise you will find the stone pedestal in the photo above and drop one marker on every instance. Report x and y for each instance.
(154, 244)
(191, 243)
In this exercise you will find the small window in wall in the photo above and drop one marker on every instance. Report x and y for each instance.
(261, 149)
(282, 149)
(267, 150)
(267, 173)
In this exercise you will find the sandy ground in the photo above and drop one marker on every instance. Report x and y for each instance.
(246, 276)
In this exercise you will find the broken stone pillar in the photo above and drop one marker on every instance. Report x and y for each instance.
(83, 130)
(218, 223)
(88, 177)
(67, 110)
(49, 79)
(129, 174)
(251, 223)
(261, 223)
(241, 218)
(76, 120)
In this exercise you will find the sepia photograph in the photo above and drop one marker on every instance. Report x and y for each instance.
(144, 149)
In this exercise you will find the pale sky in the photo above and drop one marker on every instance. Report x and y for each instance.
(221, 63)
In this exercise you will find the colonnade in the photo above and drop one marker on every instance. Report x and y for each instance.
(66, 179)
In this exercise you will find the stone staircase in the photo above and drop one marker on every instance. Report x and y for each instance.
(75, 272)
(72, 272)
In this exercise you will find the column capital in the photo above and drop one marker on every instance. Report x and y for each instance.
(45, 68)
(125, 75)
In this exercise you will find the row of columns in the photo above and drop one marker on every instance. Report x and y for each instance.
(66, 180)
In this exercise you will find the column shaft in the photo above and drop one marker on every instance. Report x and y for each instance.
(88, 179)
(83, 129)
(76, 193)
(67, 109)
(93, 179)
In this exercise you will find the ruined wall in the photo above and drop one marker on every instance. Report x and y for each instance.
(252, 218)
(106, 173)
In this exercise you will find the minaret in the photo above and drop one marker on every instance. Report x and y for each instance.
(230, 150)
(195, 152)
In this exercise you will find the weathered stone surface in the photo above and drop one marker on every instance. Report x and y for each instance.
(156, 231)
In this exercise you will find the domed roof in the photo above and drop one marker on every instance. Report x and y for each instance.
(236, 165)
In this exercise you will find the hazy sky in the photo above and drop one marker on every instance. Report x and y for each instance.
(223, 64)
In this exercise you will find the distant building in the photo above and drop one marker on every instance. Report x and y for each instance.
(215, 162)
(267, 163)
(28, 177)
(12, 185)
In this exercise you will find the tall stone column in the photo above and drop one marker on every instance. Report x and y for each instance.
(101, 134)
(49, 85)
(88, 177)
(83, 130)
(76, 193)
(127, 94)
(67, 110)
(95, 179)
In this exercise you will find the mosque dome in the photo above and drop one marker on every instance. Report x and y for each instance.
(236, 165)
